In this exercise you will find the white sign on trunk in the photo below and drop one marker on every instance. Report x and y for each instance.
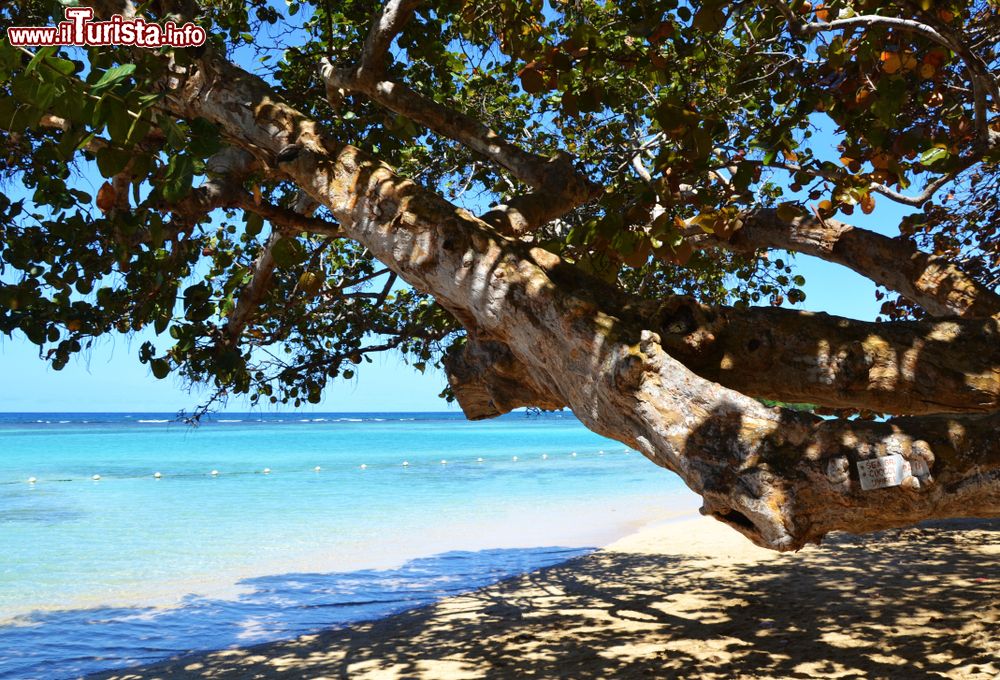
(879, 473)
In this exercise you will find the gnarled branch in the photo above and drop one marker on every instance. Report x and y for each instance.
(914, 367)
(389, 22)
(488, 381)
(934, 283)
(253, 292)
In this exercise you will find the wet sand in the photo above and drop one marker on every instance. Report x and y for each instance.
(687, 599)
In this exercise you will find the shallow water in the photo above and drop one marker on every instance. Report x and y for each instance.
(87, 567)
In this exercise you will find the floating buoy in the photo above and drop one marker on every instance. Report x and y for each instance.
(600, 453)
(363, 466)
(479, 460)
(545, 456)
(96, 477)
(267, 471)
(514, 458)
(444, 462)
(317, 468)
(157, 475)
(31, 480)
(573, 454)
(215, 473)
(406, 463)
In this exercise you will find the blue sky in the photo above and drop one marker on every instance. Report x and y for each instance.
(112, 379)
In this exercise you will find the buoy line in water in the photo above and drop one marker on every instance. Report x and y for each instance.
(215, 473)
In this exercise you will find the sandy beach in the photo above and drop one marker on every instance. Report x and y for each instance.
(687, 598)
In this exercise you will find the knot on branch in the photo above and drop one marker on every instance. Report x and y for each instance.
(488, 381)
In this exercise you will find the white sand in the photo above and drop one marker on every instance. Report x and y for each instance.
(683, 599)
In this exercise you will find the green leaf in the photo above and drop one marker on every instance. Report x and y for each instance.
(160, 368)
(934, 155)
(254, 223)
(119, 123)
(39, 57)
(789, 210)
(175, 136)
(177, 181)
(7, 108)
(97, 114)
(288, 252)
(63, 66)
(204, 138)
(147, 100)
(113, 76)
(24, 88)
(44, 95)
(138, 130)
(111, 161)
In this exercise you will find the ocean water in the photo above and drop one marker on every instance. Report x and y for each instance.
(128, 568)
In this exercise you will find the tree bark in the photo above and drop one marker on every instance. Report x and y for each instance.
(934, 283)
(913, 368)
(780, 477)
(489, 381)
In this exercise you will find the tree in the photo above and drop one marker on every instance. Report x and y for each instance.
(637, 167)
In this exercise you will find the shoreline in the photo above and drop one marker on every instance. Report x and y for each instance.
(675, 596)
(175, 594)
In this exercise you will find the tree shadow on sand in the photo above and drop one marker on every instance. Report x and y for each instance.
(912, 603)
(68, 643)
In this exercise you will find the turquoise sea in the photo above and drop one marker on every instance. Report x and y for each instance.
(312, 521)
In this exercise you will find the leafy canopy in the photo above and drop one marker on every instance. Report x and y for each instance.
(684, 114)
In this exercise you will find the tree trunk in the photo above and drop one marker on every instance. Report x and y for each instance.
(780, 477)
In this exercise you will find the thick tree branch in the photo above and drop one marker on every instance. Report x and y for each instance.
(93, 145)
(558, 187)
(389, 22)
(781, 354)
(223, 188)
(931, 188)
(288, 220)
(781, 478)
(299, 218)
(489, 381)
(934, 283)
(253, 292)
